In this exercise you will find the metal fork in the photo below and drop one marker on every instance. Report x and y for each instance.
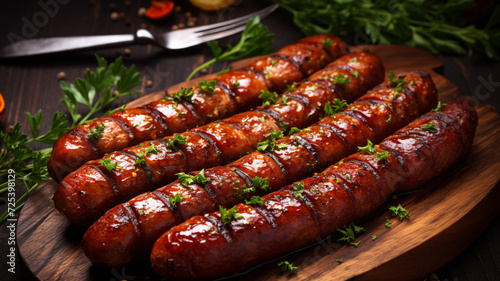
(178, 39)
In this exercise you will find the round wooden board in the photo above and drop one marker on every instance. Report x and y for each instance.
(445, 215)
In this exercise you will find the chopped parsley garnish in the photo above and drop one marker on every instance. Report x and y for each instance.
(382, 155)
(387, 222)
(354, 59)
(228, 215)
(395, 95)
(299, 189)
(341, 79)
(236, 84)
(389, 119)
(176, 141)
(439, 106)
(106, 163)
(294, 130)
(355, 73)
(399, 211)
(255, 200)
(141, 156)
(368, 149)
(327, 42)
(184, 93)
(262, 119)
(260, 183)
(287, 266)
(292, 87)
(207, 86)
(223, 71)
(187, 180)
(429, 127)
(174, 199)
(284, 100)
(336, 107)
(274, 62)
(349, 234)
(269, 145)
(268, 97)
(97, 132)
(397, 84)
(374, 237)
(340, 261)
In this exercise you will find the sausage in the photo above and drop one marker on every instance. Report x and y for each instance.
(112, 241)
(87, 193)
(205, 247)
(234, 92)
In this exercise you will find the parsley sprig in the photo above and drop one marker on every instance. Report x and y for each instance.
(334, 107)
(96, 91)
(349, 234)
(255, 40)
(436, 26)
(187, 180)
(269, 144)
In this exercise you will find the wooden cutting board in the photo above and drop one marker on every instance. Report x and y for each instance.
(445, 215)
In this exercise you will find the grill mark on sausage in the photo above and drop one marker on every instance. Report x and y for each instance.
(271, 114)
(156, 114)
(305, 101)
(179, 150)
(105, 174)
(91, 142)
(369, 168)
(210, 141)
(311, 208)
(292, 61)
(343, 67)
(335, 131)
(242, 175)
(278, 162)
(223, 229)
(307, 146)
(133, 216)
(266, 215)
(164, 198)
(226, 90)
(189, 106)
(338, 91)
(261, 76)
(124, 127)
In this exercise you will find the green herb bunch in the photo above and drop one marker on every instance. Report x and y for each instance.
(96, 91)
(436, 26)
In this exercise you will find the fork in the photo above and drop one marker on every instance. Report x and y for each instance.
(172, 40)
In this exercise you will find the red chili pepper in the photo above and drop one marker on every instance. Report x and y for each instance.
(159, 9)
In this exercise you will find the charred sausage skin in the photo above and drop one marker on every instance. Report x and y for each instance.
(85, 194)
(204, 247)
(235, 91)
(111, 241)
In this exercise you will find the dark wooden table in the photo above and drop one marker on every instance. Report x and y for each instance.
(31, 84)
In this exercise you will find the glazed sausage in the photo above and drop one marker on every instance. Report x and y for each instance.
(234, 92)
(85, 194)
(112, 241)
(205, 247)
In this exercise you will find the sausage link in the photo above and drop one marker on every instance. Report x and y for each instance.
(206, 146)
(306, 152)
(205, 247)
(234, 92)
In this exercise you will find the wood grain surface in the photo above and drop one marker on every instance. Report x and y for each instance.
(446, 216)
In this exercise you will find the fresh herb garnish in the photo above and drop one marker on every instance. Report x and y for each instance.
(260, 183)
(97, 132)
(106, 163)
(187, 180)
(368, 149)
(183, 94)
(335, 107)
(268, 97)
(176, 141)
(299, 189)
(387, 222)
(341, 79)
(174, 199)
(269, 144)
(429, 127)
(349, 234)
(141, 157)
(399, 211)
(287, 266)
(228, 215)
(382, 155)
(292, 87)
(436, 26)
(294, 130)
(208, 87)
(439, 106)
(255, 40)
(340, 261)
(255, 200)
(397, 84)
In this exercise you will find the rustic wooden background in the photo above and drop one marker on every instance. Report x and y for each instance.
(31, 84)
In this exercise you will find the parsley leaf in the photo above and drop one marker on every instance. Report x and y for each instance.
(327, 42)
(287, 266)
(397, 84)
(269, 144)
(106, 163)
(399, 211)
(294, 130)
(255, 200)
(368, 149)
(187, 180)
(255, 40)
(336, 107)
(268, 97)
(299, 189)
(97, 132)
(261, 183)
(429, 127)
(208, 87)
(349, 234)
(183, 94)
(141, 156)
(174, 199)
(382, 155)
(228, 215)
(439, 106)
(176, 141)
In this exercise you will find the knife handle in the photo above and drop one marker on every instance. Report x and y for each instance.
(42, 46)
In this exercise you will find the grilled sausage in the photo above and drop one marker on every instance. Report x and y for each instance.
(112, 241)
(84, 195)
(205, 247)
(234, 92)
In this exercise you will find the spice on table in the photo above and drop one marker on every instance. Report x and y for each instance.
(141, 12)
(127, 52)
(61, 75)
(114, 16)
(149, 83)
